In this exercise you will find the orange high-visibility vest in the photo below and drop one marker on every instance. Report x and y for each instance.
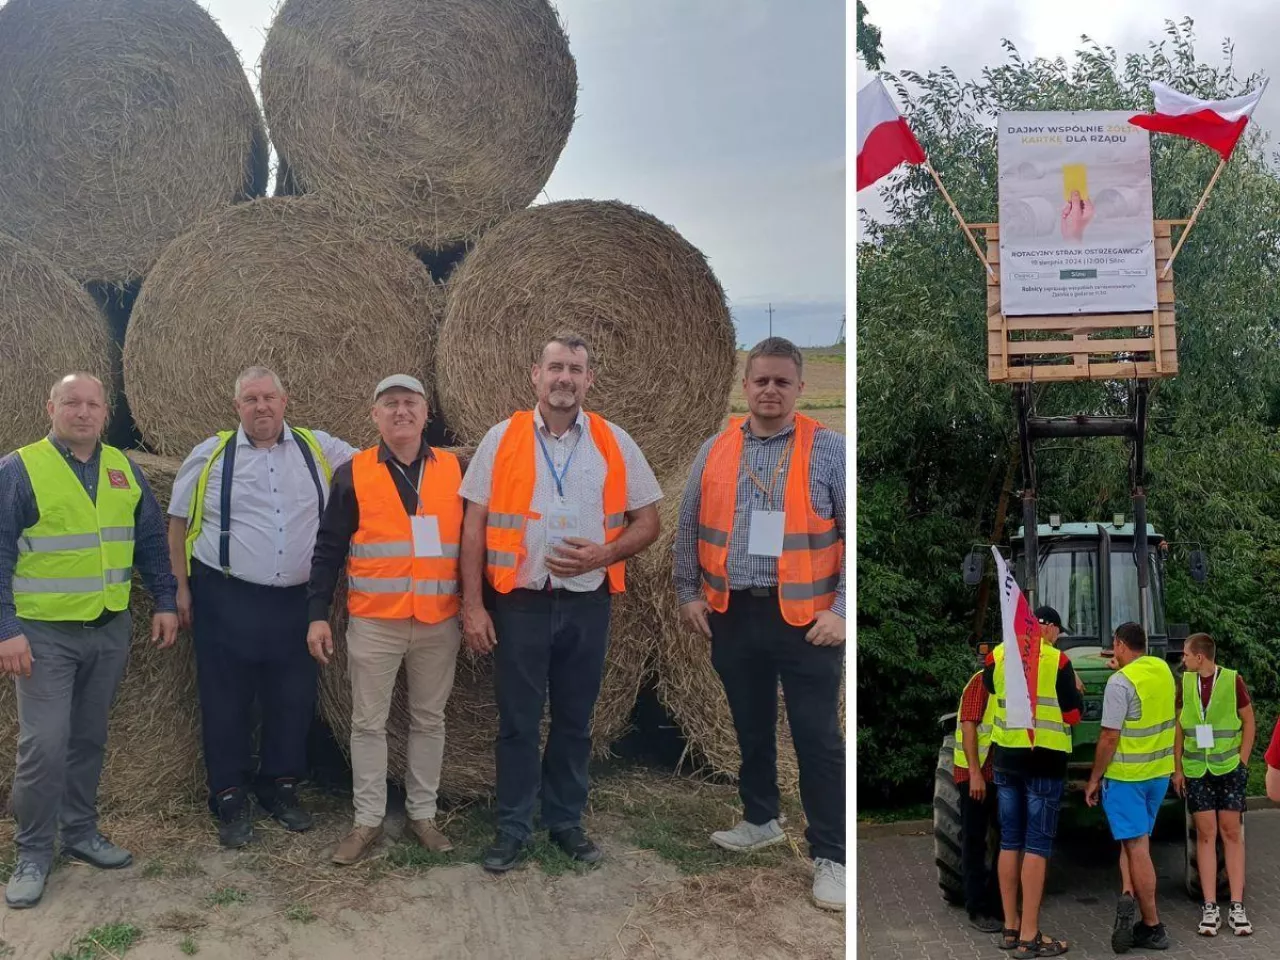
(812, 551)
(385, 581)
(511, 498)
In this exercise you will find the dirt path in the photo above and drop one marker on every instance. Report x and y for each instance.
(280, 899)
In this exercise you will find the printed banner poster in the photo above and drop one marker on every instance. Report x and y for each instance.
(1075, 214)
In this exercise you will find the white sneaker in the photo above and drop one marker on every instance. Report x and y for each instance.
(1210, 920)
(748, 837)
(1238, 920)
(828, 884)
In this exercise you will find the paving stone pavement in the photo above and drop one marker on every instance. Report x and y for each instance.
(901, 914)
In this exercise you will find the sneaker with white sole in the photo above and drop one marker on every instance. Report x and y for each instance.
(1238, 920)
(26, 885)
(828, 884)
(749, 837)
(1210, 920)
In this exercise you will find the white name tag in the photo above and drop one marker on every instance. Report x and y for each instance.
(426, 536)
(562, 521)
(1204, 735)
(765, 536)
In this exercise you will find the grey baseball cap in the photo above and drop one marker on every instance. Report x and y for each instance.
(402, 380)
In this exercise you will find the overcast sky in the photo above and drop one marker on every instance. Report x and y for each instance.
(923, 35)
(724, 118)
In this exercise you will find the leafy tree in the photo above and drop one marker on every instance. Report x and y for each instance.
(867, 40)
(937, 442)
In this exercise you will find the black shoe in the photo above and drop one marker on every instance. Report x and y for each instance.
(1150, 938)
(1122, 931)
(285, 807)
(985, 923)
(235, 827)
(577, 844)
(505, 853)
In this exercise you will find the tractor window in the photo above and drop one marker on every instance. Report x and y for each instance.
(1124, 592)
(1068, 582)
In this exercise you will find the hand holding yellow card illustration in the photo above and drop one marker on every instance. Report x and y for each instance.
(1074, 177)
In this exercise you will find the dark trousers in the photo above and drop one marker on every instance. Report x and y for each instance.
(251, 645)
(752, 647)
(981, 881)
(551, 645)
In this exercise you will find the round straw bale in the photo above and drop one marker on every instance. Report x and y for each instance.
(48, 327)
(661, 341)
(689, 686)
(122, 122)
(153, 757)
(279, 282)
(431, 119)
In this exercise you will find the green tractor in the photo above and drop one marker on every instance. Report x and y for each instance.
(1097, 576)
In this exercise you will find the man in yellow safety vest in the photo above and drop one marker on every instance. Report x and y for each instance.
(1133, 764)
(1216, 731)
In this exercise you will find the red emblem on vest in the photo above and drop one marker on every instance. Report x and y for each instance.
(117, 479)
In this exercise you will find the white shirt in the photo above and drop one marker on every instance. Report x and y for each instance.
(583, 485)
(274, 513)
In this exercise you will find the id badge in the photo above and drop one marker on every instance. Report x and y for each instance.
(426, 536)
(562, 522)
(1204, 735)
(764, 538)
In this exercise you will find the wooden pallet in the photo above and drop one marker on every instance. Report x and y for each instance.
(1109, 346)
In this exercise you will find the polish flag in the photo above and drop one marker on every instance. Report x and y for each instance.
(1217, 124)
(1021, 651)
(884, 139)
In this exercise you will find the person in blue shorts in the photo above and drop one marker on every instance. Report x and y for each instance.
(1132, 766)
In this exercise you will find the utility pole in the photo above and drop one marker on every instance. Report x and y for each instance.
(771, 319)
(840, 339)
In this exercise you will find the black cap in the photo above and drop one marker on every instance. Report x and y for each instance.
(1048, 615)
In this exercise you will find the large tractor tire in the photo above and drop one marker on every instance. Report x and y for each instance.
(946, 826)
(1191, 869)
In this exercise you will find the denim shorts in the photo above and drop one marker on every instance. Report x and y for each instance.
(1131, 806)
(1028, 812)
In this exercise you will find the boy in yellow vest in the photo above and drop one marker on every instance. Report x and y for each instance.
(1211, 754)
(1132, 766)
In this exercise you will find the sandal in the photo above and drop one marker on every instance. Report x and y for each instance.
(1041, 946)
(1008, 939)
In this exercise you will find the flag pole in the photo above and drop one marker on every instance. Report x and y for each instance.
(1192, 222)
(967, 232)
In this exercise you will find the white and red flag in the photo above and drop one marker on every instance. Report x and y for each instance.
(1021, 651)
(884, 139)
(1218, 124)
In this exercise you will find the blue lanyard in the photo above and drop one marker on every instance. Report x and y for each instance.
(557, 477)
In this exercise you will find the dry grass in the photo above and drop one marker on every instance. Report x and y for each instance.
(428, 121)
(285, 283)
(124, 122)
(48, 327)
(646, 301)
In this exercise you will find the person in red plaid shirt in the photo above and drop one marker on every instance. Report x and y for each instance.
(978, 808)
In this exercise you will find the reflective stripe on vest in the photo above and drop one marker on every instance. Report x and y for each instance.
(812, 550)
(385, 581)
(985, 726)
(195, 509)
(511, 498)
(1051, 730)
(76, 561)
(1145, 749)
(1223, 714)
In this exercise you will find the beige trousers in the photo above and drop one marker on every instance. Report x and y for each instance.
(375, 650)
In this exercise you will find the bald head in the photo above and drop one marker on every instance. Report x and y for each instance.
(75, 380)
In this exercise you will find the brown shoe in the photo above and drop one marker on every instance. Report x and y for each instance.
(356, 844)
(429, 835)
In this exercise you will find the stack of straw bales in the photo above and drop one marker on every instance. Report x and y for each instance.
(132, 153)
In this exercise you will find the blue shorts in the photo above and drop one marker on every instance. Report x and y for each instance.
(1028, 812)
(1131, 806)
